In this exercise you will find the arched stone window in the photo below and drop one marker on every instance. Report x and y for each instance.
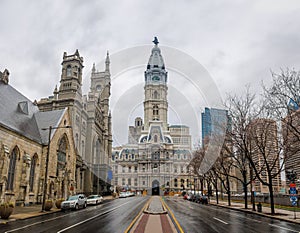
(82, 150)
(155, 95)
(76, 140)
(61, 155)
(32, 172)
(12, 169)
(97, 156)
(69, 70)
(155, 110)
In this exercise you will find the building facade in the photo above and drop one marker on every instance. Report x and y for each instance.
(90, 121)
(25, 141)
(157, 155)
(263, 145)
(213, 121)
(291, 135)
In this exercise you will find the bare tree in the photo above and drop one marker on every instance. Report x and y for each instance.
(283, 103)
(265, 154)
(241, 110)
(195, 164)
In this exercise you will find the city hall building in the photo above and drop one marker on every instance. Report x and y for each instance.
(157, 155)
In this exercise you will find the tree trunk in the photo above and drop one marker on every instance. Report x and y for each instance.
(228, 191)
(217, 196)
(271, 195)
(245, 190)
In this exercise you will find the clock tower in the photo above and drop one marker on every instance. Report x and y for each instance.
(156, 90)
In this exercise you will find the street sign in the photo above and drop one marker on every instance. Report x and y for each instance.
(293, 191)
(292, 185)
(294, 203)
(293, 198)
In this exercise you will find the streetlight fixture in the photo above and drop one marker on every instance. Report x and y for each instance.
(47, 161)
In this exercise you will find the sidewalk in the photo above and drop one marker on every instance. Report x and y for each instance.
(32, 211)
(280, 214)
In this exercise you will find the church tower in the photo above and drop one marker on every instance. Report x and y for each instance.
(156, 89)
(71, 76)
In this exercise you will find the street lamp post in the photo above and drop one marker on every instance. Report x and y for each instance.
(47, 161)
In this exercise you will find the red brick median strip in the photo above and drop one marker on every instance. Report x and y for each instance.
(142, 224)
(165, 224)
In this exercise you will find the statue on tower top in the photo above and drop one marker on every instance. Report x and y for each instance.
(155, 41)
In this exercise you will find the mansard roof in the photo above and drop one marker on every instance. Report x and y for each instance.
(22, 116)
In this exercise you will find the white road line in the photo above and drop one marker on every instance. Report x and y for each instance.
(91, 218)
(284, 228)
(220, 220)
(36, 223)
(48, 220)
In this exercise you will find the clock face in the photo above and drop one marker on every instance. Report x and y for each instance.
(155, 78)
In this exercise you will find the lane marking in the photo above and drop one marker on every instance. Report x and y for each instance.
(91, 218)
(172, 216)
(284, 228)
(137, 217)
(36, 223)
(220, 220)
(51, 219)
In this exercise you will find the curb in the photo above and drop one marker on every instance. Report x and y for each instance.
(255, 212)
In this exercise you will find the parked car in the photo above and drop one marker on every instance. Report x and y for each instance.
(123, 195)
(197, 198)
(204, 199)
(190, 197)
(74, 202)
(94, 199)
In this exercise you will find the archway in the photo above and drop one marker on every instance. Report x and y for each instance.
(155, 187)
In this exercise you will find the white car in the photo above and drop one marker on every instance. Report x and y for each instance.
(94, 199)
(74, 202)
(123, 194)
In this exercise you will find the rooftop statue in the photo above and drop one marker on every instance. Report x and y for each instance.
(155, 41)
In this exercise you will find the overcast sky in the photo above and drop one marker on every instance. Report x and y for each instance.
(238, 42)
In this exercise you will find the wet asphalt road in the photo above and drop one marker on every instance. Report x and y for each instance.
(116, 215)
(110, 217)
(194, 217)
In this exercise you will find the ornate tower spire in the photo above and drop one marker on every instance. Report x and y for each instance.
(156, 89)
(107, 62)
(93, 69)
(71, 76)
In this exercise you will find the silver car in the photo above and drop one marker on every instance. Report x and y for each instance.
(94, 199)
(74, 202)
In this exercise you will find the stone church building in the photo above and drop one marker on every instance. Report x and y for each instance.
(24, 141)
(80, 139)
(157, 155)
(90, 121)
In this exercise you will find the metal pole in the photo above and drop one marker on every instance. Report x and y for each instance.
(46, 170)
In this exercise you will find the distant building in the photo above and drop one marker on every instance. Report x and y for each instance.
(157, 155)
(263, 143)
(24, 140)
(291, 135)
(213, 121)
